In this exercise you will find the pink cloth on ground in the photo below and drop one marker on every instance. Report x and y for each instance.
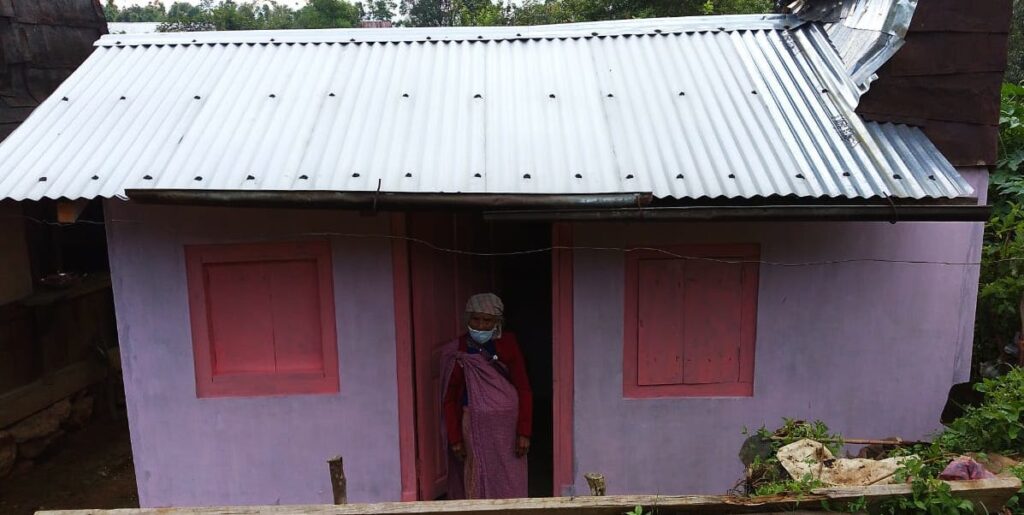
(497, 473)
(965, 468)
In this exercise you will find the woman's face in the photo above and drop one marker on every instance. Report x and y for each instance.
(482, 321)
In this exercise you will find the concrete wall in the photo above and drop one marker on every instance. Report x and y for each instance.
(15, 270)
(870, 348)
(256, 450)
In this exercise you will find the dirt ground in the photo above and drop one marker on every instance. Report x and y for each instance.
(89, 468)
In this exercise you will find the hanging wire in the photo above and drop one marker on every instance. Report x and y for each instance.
(542, 250)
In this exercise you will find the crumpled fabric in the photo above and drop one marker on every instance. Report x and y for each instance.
(965, 468)
(494, 471)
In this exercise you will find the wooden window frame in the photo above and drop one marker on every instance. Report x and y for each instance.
(744, 386)
(209, 384)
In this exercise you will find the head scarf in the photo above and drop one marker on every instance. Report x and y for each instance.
(490, 304)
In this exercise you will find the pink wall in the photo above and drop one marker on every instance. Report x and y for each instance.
(257, 450)
(870, 348)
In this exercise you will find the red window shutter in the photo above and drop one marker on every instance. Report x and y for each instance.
(689, 321)
(295, 310)
(712, 314)
(241, 337)
(262, 319)
(659, 349)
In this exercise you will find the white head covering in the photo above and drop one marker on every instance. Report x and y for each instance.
(487, 303)
(490, 304)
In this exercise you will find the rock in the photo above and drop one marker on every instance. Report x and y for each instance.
(81, 411)
(43, 423)
(8, 453)
(34, 448)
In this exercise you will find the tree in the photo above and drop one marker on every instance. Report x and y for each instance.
(322, 14)
(151, 12)
(377, 10)
(185, 17)
(110, 11)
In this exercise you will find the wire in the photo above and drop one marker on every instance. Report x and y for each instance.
(542, 250)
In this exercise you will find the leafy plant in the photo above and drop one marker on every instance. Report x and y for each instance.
(765, 474)
(1002, 263)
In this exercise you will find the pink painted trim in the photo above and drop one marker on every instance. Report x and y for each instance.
(403, 352)
(562, 356)
(744, 386)
(209, 384)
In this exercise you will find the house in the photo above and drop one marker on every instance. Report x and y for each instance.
(693, 227)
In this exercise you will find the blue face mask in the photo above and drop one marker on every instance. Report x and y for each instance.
(481, 337)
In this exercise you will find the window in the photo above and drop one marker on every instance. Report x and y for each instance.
(262, 319)
(689, 326)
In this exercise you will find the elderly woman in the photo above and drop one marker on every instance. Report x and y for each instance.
(488, 407)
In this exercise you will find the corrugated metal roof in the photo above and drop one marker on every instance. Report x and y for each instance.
(733, 107)
(866, 33)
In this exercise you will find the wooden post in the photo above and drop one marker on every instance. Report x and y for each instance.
(338, 480)
(596, 482)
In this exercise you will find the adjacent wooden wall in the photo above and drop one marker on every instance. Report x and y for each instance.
(41, 43)
(947, 78)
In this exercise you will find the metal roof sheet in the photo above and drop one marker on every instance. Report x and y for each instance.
(712, 107)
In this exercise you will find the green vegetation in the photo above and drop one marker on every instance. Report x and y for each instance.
(1002, 269)
(269, 14)
(231, 15)
(995, 426)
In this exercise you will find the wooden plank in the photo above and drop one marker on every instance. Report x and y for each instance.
(660, 329)
(992, 492)
(961, 16)
(965, 98)
(961, 53)
(712, 312)
(31, 398)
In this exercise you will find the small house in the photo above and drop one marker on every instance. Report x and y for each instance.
(697, 225)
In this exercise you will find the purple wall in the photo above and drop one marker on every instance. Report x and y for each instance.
(257, 450)
(870, 348)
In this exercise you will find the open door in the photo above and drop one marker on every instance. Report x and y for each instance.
(441, 282)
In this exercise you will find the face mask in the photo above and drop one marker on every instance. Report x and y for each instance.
(480, 337)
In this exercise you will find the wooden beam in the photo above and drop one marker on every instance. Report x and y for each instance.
(338, 484)
(992, 492)
(27, 400)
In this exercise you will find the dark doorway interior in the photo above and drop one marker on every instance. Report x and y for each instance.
(523, 281)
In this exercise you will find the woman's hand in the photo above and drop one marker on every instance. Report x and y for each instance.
(522, 446)
(459, 451)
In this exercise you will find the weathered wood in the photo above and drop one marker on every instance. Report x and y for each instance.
(993, 493)
(596, 483)
(33, 397)
(988, 495)
(338, 483)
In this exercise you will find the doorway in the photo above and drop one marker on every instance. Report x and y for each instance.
(439, 283)
(523, 281)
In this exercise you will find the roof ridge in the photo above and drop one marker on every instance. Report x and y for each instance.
(411, 34)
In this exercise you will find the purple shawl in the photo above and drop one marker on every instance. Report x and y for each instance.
(493, 409)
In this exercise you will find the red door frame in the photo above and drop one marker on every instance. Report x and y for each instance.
(403, 352)
(562, 356)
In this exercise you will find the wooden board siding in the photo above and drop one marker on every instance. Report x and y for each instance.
(41, 43)
(947, 77)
